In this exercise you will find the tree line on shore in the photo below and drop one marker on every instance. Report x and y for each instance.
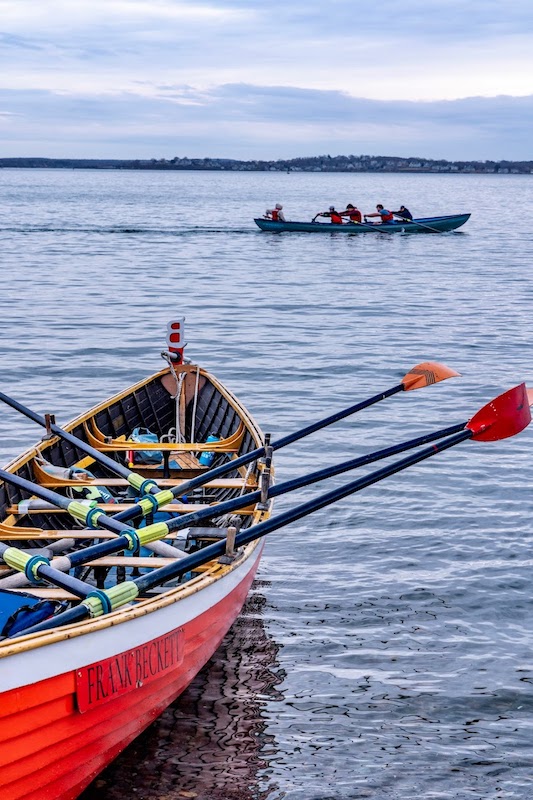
(324, 163)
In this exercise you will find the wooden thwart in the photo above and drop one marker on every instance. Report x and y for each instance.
(49, 482)
(99, 441)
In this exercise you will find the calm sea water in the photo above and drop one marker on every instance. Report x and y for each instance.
(386, 651)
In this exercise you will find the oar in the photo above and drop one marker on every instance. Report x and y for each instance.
(421, 375)
(504, 416)
(370, 227)
(421, 225)
(89, 515)
(132, 540)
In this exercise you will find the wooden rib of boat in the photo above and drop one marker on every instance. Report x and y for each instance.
(422, 225)
(72, 698)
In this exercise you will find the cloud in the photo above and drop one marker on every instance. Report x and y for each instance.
(445, 50)
(276, 79)
(244, 121)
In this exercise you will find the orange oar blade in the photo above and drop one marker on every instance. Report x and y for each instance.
(504, 416)
(426, 374)
(530, 396)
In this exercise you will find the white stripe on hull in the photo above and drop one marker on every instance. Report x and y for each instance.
(40, 663)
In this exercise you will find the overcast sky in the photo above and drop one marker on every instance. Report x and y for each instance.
(243, 79)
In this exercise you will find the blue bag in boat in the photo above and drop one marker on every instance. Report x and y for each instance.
(145, 456)
(20, 610)
(207, 457)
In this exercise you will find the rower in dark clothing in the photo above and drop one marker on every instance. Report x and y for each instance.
(404, 213)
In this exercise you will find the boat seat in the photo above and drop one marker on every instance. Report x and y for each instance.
(103, 443)
(13, 533)
(46, 593)
(53, 593)
(49, 482)
(189, 466)
(29, 534)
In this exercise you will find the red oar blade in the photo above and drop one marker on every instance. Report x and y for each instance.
(426, 374)
(506, 415)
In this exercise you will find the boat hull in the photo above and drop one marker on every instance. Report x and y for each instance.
(50, 750)
(422, 225)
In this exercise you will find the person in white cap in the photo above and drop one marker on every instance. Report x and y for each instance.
(276, 213)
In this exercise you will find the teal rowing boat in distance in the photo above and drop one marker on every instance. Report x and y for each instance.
(421, 225)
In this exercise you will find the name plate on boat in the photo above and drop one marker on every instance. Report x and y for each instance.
(108, 679)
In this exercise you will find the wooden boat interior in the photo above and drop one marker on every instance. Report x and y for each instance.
(182, 406)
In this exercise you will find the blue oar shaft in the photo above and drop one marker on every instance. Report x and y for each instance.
(106, 461)
(276, 490)
(259, 452)
(188, 563)
(206, 554)
(234, 504)
(247, 458)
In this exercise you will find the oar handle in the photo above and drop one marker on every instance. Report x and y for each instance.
(39, 567)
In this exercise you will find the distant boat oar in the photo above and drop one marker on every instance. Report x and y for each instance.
(421, 375)
(504, 416)
(420, 224)
(371, 227)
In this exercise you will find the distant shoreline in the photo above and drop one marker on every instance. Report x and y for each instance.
(347, 164)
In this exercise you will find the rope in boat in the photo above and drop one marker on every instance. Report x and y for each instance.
(193, 421)
(175, 434)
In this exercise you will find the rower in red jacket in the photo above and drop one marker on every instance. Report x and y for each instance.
(353, 213)
(334, 216)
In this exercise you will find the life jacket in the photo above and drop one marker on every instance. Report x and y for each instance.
(386, 216)
(355, 215)
(275, 214)
(335, 218)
